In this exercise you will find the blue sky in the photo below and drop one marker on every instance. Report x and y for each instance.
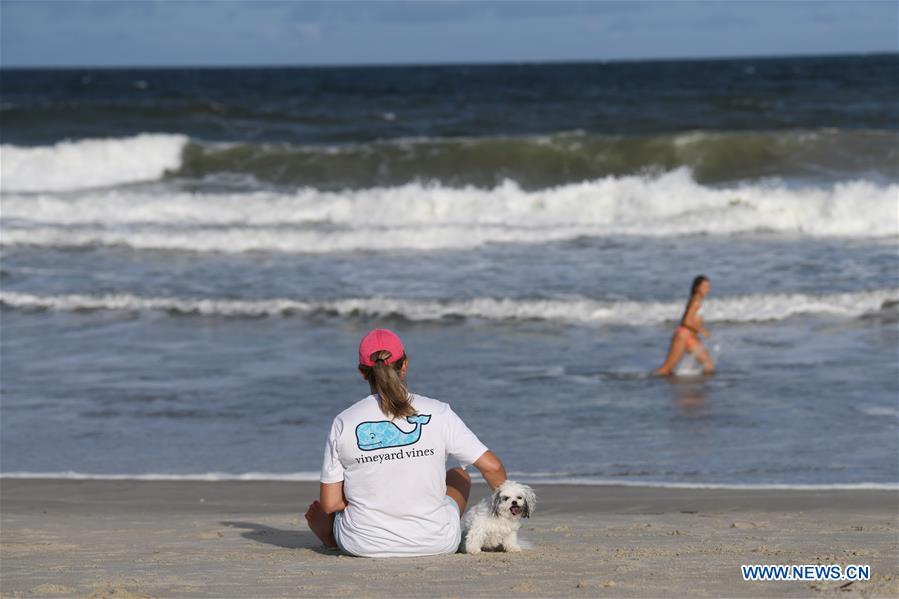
(174, 33)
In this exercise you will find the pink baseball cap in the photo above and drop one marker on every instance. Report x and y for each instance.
(378, 340)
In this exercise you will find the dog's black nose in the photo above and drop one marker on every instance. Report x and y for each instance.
(514, 504)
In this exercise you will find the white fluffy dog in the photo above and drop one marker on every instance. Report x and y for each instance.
(494, 521)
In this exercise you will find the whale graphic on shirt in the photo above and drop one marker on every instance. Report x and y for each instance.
(384, 433)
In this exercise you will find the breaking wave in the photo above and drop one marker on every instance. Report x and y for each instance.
(747, 308)
(429, 217)
(71, 165)
(533, 162)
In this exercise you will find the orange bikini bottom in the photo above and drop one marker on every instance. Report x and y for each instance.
(689, 336)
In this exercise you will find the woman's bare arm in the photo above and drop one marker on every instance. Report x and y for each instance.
(332, 498)
(491, 469)
(702, 329)
(691, 319)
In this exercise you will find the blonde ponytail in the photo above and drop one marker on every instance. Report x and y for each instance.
(386, 381)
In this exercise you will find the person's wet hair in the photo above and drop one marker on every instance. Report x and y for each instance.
(699, 280)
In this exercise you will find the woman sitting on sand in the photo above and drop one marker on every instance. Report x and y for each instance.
(686, 335)
(385, 490)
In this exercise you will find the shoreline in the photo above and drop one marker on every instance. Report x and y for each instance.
(573, 481)
(248, 538)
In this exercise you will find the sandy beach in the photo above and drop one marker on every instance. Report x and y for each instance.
(248, 539)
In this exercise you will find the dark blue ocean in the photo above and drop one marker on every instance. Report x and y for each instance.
(188, 258)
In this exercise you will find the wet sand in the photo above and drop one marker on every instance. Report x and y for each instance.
(62, 538)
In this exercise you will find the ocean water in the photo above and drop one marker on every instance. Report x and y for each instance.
(188, 259)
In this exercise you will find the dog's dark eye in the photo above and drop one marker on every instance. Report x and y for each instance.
(504, 498)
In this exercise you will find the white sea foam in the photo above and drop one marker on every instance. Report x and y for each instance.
(429, 217)
(880, 411)
(205, 476)
(616, 482)
(532, 478)
(70, 165)
(747, 308)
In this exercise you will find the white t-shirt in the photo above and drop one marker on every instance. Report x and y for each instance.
(394, 477)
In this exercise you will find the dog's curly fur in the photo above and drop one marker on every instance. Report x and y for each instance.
(494, 522)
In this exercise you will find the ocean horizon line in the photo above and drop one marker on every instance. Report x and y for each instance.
(449, 64)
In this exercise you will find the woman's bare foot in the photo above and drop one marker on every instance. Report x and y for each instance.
(321, 524)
